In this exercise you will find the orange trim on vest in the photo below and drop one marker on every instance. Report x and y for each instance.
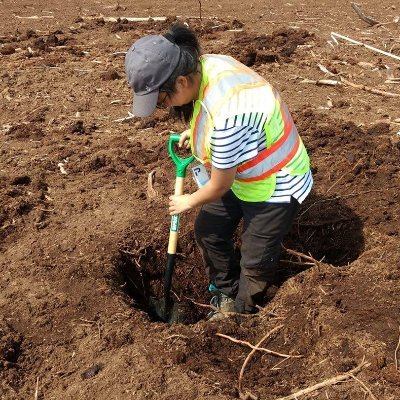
(277, 167)
(267, 152)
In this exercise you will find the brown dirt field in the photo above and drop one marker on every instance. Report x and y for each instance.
(81, 251)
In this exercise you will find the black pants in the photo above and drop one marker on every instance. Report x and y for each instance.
(264, 226)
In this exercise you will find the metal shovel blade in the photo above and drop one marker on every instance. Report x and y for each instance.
(165, 311)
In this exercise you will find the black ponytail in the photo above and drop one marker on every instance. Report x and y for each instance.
(187, 41)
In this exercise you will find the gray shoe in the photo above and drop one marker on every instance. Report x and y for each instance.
(223, 303)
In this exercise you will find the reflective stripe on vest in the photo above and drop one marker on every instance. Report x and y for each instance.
(273, 158)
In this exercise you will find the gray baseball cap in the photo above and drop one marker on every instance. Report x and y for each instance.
(149, 63)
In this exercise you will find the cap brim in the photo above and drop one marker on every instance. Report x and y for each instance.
(144, 105)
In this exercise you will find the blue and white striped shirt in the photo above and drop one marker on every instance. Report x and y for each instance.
(240, 139)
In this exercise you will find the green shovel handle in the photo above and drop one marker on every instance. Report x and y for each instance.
(180, 163)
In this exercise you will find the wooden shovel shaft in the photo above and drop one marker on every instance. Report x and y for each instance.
(173, 233)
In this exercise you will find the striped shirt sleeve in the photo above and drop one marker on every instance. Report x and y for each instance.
(238, 140)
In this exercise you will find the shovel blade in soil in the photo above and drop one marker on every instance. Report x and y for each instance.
(168, 312)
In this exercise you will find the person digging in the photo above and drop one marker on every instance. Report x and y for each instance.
(243, 133)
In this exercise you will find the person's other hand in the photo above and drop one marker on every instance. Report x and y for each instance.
(179, 203)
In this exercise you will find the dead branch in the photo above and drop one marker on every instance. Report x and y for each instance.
(328, 382)
(248, 358)
(320, 82)
(34, 17)
(335, 35)
(346, 82)
(369, 89)
(370, 21)
(301, 255)
(151, 193)
(244, 343)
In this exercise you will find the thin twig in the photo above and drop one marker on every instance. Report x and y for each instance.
(248, 358)
(275, 367)
(140, 273)
(364, 386)
(365, 18)
(201, 21)
(335, 35)
(299, 263)
(301, 255)
(328, 382)
(244, 343)
(37, 389)
(369, 89)
(395, 354)
(125, 119)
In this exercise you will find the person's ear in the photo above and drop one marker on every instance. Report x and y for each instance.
(182, 82)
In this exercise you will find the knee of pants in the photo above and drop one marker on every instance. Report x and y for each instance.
(256, 264)
(263, 269)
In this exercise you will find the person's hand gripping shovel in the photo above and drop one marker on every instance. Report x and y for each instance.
(166, 309)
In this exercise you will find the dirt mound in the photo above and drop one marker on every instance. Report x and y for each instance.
(253, 50)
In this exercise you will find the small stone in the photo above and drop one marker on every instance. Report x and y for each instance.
(92, 371)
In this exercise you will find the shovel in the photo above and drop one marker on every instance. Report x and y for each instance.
(165, 309)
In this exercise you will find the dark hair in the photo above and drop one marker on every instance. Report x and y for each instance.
(187, 41)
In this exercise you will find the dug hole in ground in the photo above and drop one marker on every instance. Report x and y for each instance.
(84, 209)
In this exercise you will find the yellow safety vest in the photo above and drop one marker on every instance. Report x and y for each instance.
(229, 89)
